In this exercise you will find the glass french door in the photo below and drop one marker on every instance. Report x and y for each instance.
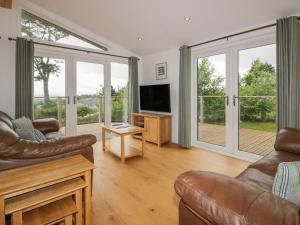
(211, 99)
(119, 92)
(234, 98)
(80, 92)
(89, 98)
(256, 99)
(50, 92)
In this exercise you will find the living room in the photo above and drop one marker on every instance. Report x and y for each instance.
(133, 112)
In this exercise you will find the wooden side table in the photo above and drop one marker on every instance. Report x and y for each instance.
(123, 153)
(51, 181)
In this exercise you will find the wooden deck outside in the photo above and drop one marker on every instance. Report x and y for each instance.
(250, 140)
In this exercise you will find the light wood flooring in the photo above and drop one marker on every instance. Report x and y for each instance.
(141, 191)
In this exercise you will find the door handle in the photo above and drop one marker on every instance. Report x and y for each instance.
(74, 99)
(227, 100)
(234, 99)
(68, 99)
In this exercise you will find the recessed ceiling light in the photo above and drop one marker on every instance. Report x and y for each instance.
(140, 38)
(187, 18)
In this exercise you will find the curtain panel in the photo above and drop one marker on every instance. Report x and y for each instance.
(133, 86)
(288, 72)
(184, 123)
(24, 78)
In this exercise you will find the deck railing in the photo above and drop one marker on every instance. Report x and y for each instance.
(90, 109)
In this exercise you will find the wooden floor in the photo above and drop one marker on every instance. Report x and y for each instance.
(141, 191)
(250, 140)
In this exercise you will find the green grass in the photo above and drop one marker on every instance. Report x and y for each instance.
(262, 126)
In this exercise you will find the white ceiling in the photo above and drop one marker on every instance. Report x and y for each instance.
(161, 22)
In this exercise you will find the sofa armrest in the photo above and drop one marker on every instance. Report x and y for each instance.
(23, 149)
(225, 200)
(46, 125)
(288, 140)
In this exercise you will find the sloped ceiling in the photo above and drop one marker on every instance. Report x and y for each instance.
(161, 23)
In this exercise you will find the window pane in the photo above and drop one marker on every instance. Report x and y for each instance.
(33, 27)
(119, 92)
(257, 99)
(49, 89)
(211, 100)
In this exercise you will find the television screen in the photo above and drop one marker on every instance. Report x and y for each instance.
(155, 98)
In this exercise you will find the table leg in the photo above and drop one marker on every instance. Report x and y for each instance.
(143, 144)
(122, 149)
(78, 200)
(87, 197)
(16, 218)
(2, 214)
(103, 138)
(68, 220)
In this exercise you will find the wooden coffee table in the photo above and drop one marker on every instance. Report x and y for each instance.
(122, 131)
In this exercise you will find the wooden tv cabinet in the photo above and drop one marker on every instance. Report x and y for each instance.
(158, 127)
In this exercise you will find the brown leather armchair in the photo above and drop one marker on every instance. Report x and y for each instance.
(15, 152)
(212, 199)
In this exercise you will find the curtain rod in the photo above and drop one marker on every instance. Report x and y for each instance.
(233, 35)
(76, 49)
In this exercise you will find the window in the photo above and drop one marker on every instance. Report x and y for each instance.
(37, 28)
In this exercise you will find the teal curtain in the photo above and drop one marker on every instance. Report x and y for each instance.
(288, 72)
(133, 86)
(24, 78)
(184, 128)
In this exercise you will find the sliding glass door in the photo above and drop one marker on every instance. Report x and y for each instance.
(234, 97)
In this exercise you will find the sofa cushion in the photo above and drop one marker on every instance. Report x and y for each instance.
(287, 181)
(269, 163)
(257, 179)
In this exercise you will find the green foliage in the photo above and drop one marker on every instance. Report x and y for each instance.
(259, 81)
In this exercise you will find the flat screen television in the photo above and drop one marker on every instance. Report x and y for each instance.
(155, 98)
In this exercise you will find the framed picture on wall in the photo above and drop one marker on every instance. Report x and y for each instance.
(161, 71)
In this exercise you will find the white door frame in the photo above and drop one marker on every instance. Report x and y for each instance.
(230, 48)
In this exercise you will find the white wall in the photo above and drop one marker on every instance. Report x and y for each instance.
(148, 77)
(10, 27)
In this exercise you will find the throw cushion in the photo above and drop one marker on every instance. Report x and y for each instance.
(24, 128)
(23, 123)
(38, 135)
(287, 182)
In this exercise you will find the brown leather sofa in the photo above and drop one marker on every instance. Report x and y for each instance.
(15, 152)
(213, 199)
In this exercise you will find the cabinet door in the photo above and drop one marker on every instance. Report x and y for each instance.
(151, 125)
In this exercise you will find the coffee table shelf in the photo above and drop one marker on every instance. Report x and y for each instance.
(117, 146)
